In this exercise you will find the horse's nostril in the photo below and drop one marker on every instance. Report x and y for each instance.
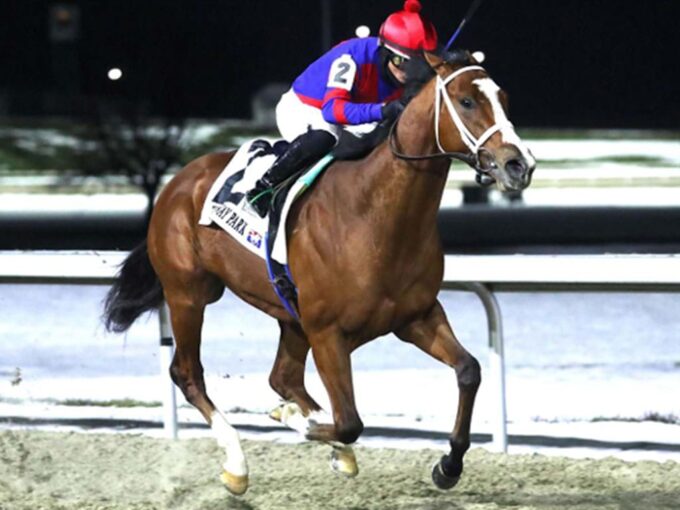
(516, 167)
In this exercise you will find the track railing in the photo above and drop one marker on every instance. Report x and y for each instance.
(94, 268)
(485, 275)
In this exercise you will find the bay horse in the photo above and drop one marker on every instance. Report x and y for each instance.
(364, 252)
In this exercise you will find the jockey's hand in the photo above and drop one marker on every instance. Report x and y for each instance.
(391, 110)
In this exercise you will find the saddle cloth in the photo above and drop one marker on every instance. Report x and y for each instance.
(226, 204)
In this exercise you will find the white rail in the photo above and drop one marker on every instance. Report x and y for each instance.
(484, 275)
(90, 267)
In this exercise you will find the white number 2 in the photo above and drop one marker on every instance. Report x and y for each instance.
(342, 73)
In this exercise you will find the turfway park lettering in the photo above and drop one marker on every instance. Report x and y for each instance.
(231, 218)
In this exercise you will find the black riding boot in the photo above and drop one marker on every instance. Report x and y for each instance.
(306, 149)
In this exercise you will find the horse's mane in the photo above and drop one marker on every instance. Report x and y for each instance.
(418, 74)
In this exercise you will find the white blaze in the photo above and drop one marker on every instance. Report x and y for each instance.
(489, 88)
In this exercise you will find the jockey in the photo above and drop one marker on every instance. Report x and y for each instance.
(357, 82)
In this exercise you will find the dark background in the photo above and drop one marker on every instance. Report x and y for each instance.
(565, 63)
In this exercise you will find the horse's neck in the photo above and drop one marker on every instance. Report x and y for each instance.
(404, 196)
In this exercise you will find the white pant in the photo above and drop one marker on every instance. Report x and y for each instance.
(293, 118)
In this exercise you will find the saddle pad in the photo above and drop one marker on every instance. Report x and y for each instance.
(226, 204)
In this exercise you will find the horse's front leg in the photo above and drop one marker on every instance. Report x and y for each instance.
(331, 351)
(432, 333)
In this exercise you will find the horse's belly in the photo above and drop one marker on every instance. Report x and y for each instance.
(367, 319)
(368, 322)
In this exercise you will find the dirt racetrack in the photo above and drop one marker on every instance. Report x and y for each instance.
(51, 470)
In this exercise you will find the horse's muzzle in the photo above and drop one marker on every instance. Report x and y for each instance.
(511, 169)
(519, 173)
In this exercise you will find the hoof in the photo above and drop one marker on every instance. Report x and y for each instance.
(344, 462)
(285, 411)
(235, 484)
(441, 480)
(276, 413)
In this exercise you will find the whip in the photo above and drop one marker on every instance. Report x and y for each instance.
(470, 12)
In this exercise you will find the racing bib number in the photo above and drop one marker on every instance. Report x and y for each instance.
(343, 71)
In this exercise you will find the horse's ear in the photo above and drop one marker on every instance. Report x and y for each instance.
(433, 60)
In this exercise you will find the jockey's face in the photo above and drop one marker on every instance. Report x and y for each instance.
(395, 66)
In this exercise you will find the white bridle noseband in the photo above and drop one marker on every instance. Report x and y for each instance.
(473, 143)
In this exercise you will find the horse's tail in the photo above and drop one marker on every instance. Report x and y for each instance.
(136, 290)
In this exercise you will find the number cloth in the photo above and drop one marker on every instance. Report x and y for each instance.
(346, 83)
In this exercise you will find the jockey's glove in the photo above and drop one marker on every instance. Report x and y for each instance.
(391, 110)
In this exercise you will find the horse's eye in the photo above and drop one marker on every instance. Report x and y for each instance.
(467, 103)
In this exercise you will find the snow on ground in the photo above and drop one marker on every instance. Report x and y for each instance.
(133, 205)
(584, 150)
(414, 400)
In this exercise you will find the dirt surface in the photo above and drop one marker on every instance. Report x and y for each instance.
(51, 470)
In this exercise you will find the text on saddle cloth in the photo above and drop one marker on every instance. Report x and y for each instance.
(225, 203)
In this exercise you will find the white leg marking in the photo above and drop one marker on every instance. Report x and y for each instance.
(343, 459)
(489, 88)
(291, 416)
(228, 438)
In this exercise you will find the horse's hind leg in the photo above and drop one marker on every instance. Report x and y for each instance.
(186, 312)
(433, 334)
(287, 377)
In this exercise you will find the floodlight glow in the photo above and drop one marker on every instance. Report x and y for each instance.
(362, 31)
(115, 74)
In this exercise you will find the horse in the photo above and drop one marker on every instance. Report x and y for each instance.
(364, 253)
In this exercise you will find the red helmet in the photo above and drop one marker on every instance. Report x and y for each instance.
(407, 32)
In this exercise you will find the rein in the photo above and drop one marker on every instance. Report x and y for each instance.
(474, 144)
(461, 156)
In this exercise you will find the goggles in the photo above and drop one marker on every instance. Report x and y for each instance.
(397, 60)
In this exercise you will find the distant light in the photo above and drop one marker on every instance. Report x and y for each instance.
(479, 56)
(115, 74)
(362, 31)
(63, 15)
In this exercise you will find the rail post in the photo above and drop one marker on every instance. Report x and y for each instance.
(496, 364)
(168, 390)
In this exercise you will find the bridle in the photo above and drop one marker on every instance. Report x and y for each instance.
(476, 145)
